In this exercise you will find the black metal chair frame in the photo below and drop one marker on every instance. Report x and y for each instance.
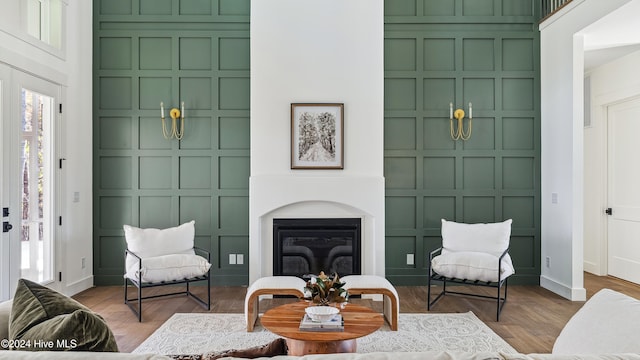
(433, 276)
(142, 285)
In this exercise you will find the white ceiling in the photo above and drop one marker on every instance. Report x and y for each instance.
(613, 36)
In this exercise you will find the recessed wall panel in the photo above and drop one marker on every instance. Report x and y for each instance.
(234, 133)
(115, 172)
(115, 211)
(196, 94)
(400, 133)
(234, 213)
(479, 92)
(234, 54)
(197, 208)
(400, 8)
(150, 133)
(115, 133)
(195, 172)
(518, 173)
(400, 54)
(197, 133)
(155, 172)
(483, 134)
(234, 7)
(437, 208)
(439, 7)
(115, 53)
(517, 94)
(115, 93)
(234, 172)
(478, 54)
(400, 173)
(156, 212)
(400, 212)
(517, 54)
(479, 209)
(195, 7)
(153, 91)
(233, 93)
(437, 134)
(195, 53)
(521, 209)
(479, 173)
(111, 252)
(155, 53)
(155, 7)
(518, 133)
(439, 173)
(477, 8)
(438, 93)
(396, 250)
(439, 54)
(400, 94)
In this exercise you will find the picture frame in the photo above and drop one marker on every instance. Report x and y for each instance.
(317, 136)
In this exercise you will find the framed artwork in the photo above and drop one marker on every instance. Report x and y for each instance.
(317, 140)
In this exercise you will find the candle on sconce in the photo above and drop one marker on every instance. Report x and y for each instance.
(161, 110)
(470, 111)
(450, 110)
(182, 109)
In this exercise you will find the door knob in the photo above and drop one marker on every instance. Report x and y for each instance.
(6, 226)
(609, 211)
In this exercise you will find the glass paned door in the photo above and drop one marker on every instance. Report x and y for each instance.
(37, 116)
(28, 180)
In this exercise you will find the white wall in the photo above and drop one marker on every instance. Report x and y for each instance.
(610, 83)
(562, 72)
(73, 72)
(318, 52)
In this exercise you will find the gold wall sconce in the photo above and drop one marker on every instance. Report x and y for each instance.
(175, 114)
(457, 132)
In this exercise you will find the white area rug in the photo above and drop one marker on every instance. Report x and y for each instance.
(201, 333)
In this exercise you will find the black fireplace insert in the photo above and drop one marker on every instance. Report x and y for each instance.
(304, 247)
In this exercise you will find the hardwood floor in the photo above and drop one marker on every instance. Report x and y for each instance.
(530, 321)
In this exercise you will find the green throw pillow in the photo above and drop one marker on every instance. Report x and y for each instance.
(43, 319)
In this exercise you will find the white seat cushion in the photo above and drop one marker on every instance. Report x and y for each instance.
(273, 282)
(169, 268)
(472, 266)
(367, 282)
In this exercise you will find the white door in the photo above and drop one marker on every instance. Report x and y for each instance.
(29, 187)
(624, 190)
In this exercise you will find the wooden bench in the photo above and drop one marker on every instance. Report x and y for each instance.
(376, 285)
(269, 285)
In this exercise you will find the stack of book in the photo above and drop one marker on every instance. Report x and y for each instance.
(336, 323)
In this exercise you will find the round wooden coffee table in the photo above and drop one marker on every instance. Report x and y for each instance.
(284, 320)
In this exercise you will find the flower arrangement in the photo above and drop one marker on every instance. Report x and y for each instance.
(323, 290)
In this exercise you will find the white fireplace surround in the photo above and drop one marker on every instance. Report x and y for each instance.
(308, 51)
(274, 197)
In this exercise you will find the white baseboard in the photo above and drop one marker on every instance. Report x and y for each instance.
(573, 294)
(592, 268)
(79, 286)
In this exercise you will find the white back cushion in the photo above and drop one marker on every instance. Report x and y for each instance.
(490, 238)
(157, 242)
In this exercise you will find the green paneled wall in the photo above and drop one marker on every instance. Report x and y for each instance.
(145, 52)
(480, 51)
(436, 52)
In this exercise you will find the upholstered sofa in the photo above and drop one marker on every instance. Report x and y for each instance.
(606, 327)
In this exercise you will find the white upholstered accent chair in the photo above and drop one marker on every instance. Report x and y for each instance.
(472, 254)
(156, 257)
